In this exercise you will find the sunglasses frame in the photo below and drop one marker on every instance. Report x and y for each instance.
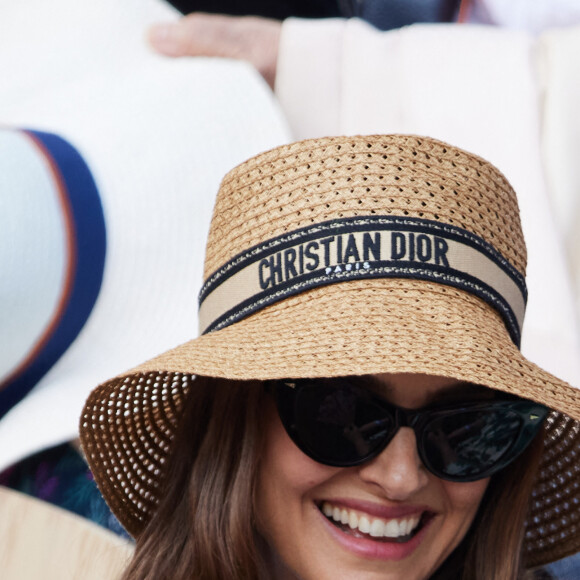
(531, 414)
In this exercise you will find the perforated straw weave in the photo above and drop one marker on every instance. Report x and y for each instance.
(346, 326)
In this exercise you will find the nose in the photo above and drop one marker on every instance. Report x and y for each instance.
(398, 469)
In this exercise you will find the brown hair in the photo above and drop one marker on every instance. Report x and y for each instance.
(204, 525)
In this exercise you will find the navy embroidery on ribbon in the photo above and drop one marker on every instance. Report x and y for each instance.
(86, 233)
(351, 248)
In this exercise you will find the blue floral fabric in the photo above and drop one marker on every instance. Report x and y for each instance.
(60, 476)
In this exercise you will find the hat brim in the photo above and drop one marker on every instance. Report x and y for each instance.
(350, 328)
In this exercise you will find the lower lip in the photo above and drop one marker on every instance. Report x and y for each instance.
(374, 549)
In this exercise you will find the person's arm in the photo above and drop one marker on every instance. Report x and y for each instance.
(249, 38)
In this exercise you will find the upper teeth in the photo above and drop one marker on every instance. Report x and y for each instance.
(375, 527)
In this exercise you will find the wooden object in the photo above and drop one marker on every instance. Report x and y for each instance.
(41, 541)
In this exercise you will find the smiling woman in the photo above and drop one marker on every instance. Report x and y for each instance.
(369, 417)
(380, 511)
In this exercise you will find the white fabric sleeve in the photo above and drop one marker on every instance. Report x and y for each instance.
(560, 77)
(309, 75)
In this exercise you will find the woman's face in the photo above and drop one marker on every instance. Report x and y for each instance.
(393, 489)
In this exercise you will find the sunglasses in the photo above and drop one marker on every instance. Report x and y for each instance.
(340, 424)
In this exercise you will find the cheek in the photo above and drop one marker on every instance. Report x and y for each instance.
(287, 478)
(464, 498)
(284, 508)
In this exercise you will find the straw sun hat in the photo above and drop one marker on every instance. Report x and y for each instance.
(345, 256)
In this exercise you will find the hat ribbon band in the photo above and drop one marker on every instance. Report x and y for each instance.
(362, 248)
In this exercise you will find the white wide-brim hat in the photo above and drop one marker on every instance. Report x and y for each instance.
(109, 192)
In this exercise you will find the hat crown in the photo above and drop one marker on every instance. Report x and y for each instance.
(319, 180)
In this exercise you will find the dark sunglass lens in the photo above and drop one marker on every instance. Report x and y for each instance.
(467, 444)
(340, 425)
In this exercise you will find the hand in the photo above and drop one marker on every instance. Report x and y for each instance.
(251, 38)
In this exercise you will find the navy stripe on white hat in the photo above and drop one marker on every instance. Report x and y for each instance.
(69, 179)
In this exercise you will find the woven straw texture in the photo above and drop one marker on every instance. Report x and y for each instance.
(349, 328)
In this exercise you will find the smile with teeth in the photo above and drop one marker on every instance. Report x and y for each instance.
(400, 529)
